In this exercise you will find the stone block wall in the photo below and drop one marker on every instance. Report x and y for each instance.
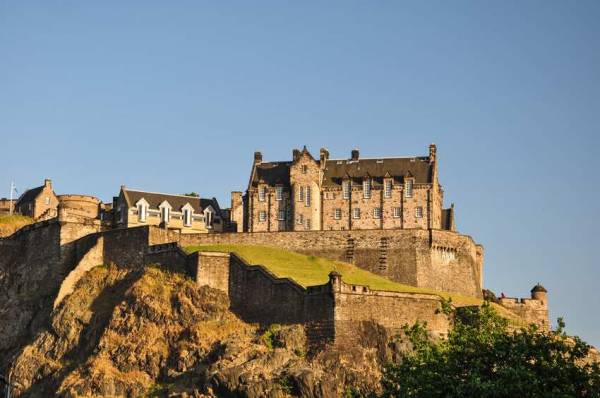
(436, 259)
(529, 309)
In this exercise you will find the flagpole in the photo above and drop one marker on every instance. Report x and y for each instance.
(10, 203)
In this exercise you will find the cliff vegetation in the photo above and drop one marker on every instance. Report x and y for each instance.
(10, 224)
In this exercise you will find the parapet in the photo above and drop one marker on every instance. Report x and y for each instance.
(79, 205)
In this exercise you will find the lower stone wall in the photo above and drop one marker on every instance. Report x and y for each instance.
(441, 260)
(355, 304)
(529, 309)
(331, 313)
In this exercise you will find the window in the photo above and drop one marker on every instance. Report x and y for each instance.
(262, 193)
(307, 203)
(408, 189)
(366, 188)
(377, 212)
(419, 212)
(281, 215)
(142, 213)
(356, 212)
(300, 219)
(262, 215)
(208, 218)
(337, 214)
(307, 223)
(387, 192)
(164, 213)
(346, 189)
(304, 169)
(47, 200)
(301, 194)
(279, 193)
(397, 212)
(187, 217)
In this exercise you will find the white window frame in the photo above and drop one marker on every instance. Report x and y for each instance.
(337, 213)
(300, 219)
(408, 189)
(419, 212)
(397, 212)
(346, 189)
(165, 214)
(377, 213)
(301, 194)
(281, 215)
(367, 188)
(387, 190)
(279, 193)
(262, 216)
(356, 213)
(262, 194)
(307, 198)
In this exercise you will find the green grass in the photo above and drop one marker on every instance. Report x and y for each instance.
(311, 270)
(10, 224)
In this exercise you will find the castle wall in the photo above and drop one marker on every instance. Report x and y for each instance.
(436, 259)
(530, 310)
(355, 304)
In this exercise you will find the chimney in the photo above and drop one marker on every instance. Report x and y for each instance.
(48, 183)
(324, 155)
(432, 152)
(295, 154)
(257, 157)
(354, 154)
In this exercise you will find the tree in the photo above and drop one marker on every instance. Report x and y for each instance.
(194, 194)
(483, 358)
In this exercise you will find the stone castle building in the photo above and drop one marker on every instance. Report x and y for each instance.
(187, 214)
(342, 194)
(38, 202)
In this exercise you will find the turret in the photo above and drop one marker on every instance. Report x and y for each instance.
(539, 292)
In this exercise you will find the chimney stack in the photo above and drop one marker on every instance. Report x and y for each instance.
(432, 152)
(257, 157)
(354, 154)
(48, 182)
(324, 155)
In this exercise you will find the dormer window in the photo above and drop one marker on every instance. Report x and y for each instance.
(142, 213)
(187, 211)
(208, 218)
(279, 193)
(408, 188)
(367, 188)
(165, 214)
(346, 189)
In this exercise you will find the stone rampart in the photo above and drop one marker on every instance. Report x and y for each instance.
(436, 259)
(529, 309)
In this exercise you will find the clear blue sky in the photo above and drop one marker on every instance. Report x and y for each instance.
(176, 97)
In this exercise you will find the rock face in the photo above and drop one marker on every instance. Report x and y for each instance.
(136, 332)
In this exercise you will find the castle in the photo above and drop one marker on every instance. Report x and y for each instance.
(384, 215)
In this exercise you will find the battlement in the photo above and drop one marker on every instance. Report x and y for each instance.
(531, 310)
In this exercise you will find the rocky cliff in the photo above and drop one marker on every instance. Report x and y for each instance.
(151, 332)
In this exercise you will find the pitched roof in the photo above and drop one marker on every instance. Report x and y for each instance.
(29, 195)
(177, 202)
(272, 173)
(417, 167)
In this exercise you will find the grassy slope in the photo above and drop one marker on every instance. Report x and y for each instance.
(311, 270)
(10, 224)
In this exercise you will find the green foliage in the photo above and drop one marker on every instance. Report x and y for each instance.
(286, 384)
(194, 194)
(270, 337)
(482, 358)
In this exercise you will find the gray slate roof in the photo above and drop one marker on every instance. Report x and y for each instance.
(177, 202)
(29, 195)
(274, 173)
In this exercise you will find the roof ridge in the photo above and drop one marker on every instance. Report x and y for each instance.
(378, 158)
(166, 194)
